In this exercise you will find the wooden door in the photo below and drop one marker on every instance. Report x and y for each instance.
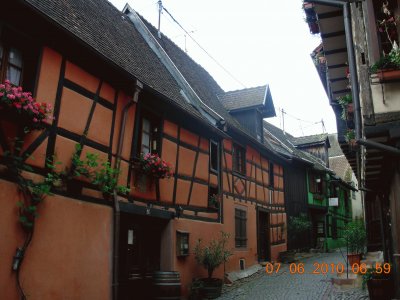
(263, 236)
(139, 255)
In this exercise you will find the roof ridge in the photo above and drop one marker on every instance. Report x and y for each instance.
(245, 89)
(164, 36)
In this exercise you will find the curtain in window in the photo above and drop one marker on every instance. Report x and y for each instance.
(1, 56)
(14, 68)
(146, 131)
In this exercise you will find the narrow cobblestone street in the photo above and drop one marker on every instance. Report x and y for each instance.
(284, 285)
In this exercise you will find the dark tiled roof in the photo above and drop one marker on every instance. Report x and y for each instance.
(286, 147)
(256, 97)
(335, 149)
(98, 24)
(311, 139)
(341, 167)
(107, 31)
(200, 80)
(251, 97)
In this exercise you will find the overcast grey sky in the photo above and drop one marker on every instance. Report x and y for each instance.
(259, 42)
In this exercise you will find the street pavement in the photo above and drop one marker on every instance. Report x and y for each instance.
(288, 284)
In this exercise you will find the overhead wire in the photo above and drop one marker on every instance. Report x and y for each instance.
(203, 49)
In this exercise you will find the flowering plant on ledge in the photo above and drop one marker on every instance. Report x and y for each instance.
(14, 102)
(152, 164)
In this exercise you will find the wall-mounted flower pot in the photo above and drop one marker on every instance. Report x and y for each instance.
(354, 259)
(143, 182)
(386, 75)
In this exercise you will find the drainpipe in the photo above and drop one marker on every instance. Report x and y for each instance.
(116, 209)
(345, 5)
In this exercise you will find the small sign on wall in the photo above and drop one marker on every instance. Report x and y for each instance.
(334, 201)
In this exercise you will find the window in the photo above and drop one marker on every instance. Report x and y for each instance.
(385, 15)
(213, 197)
(334, 189)
(316, 184)
(11, 64)
(239, 159)
(271, 175)
(149, 134)
(214, 156)
(18, 62)
(240, 228)
(182, 243)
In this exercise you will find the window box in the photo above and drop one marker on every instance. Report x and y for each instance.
(388, 75)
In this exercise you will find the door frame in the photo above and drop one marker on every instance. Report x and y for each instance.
(267, 214)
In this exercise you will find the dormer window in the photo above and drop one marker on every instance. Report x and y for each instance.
(249, 107)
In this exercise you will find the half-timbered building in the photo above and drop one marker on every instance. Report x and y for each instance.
(120, 91)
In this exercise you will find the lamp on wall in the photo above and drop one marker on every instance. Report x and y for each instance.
(148, 208)
(178, 211)
(317, 180)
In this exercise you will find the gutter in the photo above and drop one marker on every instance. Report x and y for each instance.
(345, 5)
(116, 208)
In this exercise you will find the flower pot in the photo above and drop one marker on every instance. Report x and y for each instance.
(380, 288)
(354, 259)
(143, 182)
(350, 108)
(386, 75)
(212, 288)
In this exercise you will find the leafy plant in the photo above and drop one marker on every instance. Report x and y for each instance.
(372, 273)
(213, 255)
(387, 61)
(355, 236)
(299, 224)
(213, 201)
(99, 173)
(388, 25)
(344, 101)
(350, 135)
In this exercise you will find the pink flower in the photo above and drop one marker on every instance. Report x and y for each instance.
(35, 120)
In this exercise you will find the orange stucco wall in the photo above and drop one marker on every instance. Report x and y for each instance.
(74, 238)
(71, 246)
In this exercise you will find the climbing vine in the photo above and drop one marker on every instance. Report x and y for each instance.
(27, 114)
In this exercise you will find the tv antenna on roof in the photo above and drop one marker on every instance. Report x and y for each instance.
(160, 8)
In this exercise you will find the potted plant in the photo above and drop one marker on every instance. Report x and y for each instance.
(211, 257)
(213, 201)
(99, 173)
(350, 137)
(388, 66)
(379, 283)
(15, 104)
(355, 237)
(149, 167)
(346, 102)
(297, 227)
